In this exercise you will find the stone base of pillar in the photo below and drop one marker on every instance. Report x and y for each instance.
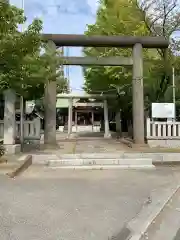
(72, 135)
(143, 145)
(12, 149)
(107, 135)
(101, 129)
(45, 146)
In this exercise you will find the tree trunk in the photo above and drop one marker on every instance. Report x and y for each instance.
(118, 123)
(50, 113)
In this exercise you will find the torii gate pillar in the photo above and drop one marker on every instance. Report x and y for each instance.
(138, 95)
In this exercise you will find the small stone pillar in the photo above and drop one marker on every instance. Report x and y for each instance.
(92, 120)
(92, 117)
(106, 121)
(138, 95)
(10, 122)
(76, 117)
(70, 117)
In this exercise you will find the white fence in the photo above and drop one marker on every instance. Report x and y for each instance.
(31, 129)
(165, 134)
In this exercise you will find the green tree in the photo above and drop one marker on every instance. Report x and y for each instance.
(18, 50)
(114, 18)
(24, 67)
(132, 18)
(162, 19)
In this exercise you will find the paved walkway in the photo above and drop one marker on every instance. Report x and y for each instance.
(91, 143)
(92, 146)
(84, 205)
(82, 143)
(87, 143)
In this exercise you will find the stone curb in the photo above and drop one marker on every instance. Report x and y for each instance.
(103, 162)
(106, 167)
(138, 226)
(166, 163)
(157, 158)
(26, 162)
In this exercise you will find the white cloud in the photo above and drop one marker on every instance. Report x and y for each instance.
(93, 5)
(17, 3)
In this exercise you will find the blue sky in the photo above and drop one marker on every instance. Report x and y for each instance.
(63, 16)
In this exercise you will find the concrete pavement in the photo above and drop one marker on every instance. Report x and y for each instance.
(167, 224)
(53, 204)
(177, 237)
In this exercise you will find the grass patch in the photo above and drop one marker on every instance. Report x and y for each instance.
(3, 160)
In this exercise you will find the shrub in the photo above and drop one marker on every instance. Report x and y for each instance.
(2, 150)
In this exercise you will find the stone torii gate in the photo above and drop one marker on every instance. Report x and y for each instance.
(136, 61)
(102, 98)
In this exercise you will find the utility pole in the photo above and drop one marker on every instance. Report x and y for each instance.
(22, 104)
(174, 91)
(174, 87)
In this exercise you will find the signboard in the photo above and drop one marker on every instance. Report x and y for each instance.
(163, 110)
(29, 107)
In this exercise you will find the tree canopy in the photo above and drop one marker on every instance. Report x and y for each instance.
(23, 66)
(133, 17)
